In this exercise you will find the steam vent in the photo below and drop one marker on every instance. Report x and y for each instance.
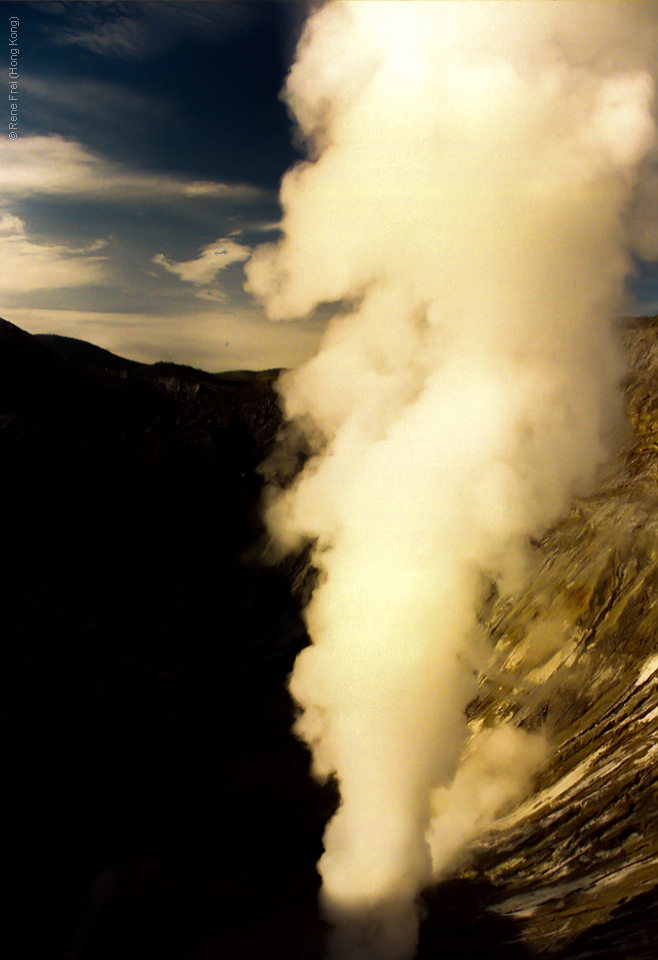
(159, 806)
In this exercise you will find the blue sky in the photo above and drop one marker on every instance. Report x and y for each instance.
(151, 142)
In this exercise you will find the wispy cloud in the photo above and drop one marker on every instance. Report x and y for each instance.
(204, 269)
(124, 37)
(83, 100)
(111, 194)
(139, 29)
(54, 255)
(28, 266)
(54, 165)
(256, 226)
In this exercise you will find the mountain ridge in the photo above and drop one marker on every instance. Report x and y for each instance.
(92, 355)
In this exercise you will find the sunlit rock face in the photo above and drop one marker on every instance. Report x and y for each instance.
(576, 652)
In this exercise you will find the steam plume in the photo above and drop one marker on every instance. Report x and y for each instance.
(468, 201)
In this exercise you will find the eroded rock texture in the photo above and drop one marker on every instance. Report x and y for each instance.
(577, 864)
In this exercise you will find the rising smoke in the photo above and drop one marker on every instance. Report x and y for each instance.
(468, 201)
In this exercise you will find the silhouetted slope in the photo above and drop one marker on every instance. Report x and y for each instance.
(145, 724)
(87, 353)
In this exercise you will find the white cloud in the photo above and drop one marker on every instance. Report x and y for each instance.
(203, 271)
(54, 165)
(38, 262)
(28, 266)
(11, 225)
(35, 262)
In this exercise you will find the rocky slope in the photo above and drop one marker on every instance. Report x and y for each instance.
(577, 651)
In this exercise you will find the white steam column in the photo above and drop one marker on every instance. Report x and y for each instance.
(468, 199)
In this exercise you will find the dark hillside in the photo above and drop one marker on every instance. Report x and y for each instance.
(87, 353)
(153, 783)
